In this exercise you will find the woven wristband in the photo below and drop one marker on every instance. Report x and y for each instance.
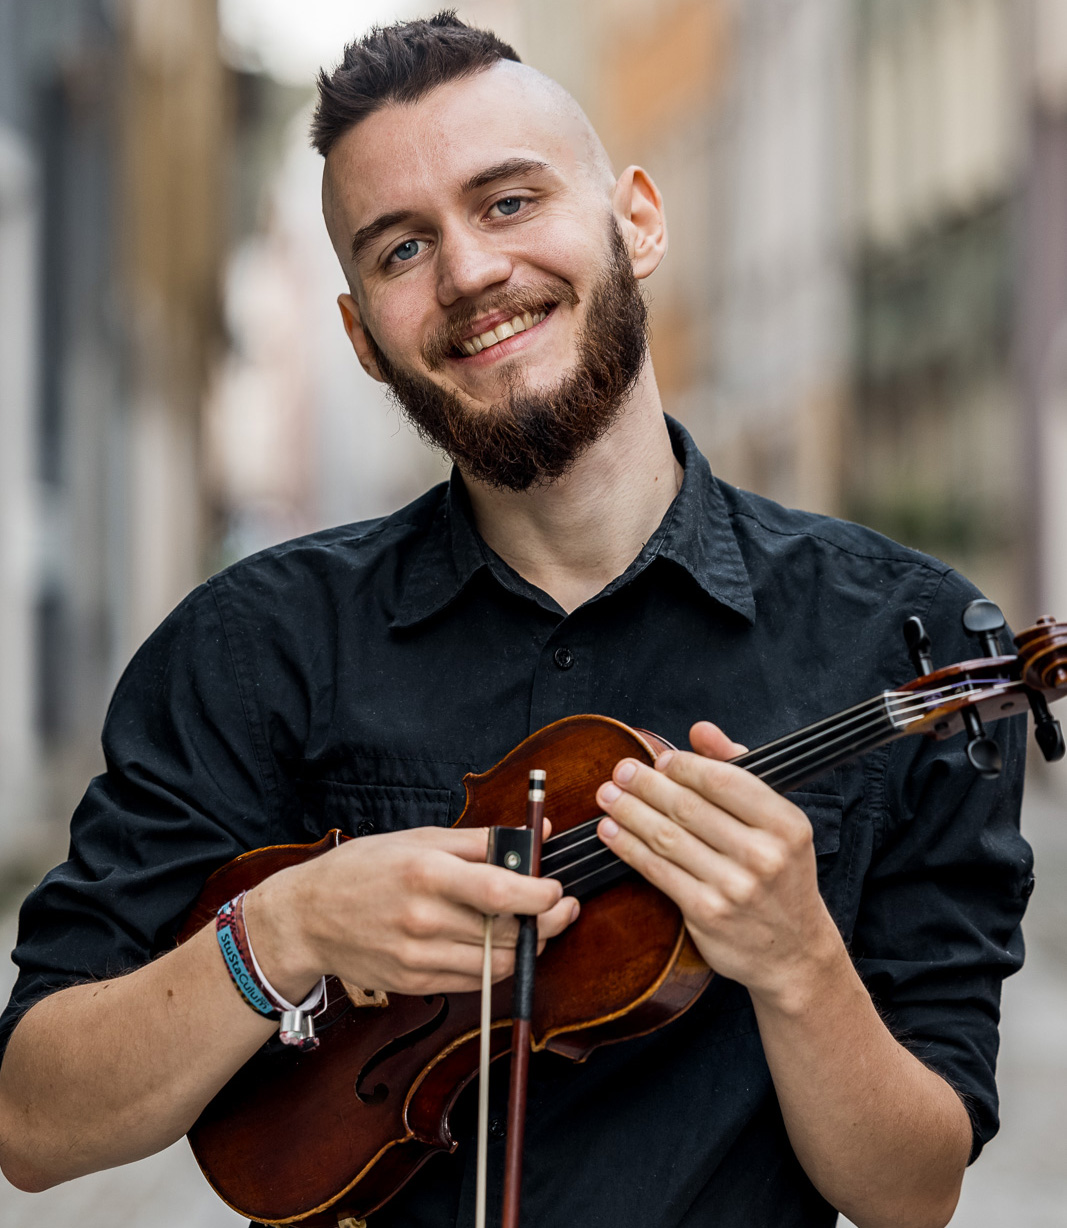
(245, 971)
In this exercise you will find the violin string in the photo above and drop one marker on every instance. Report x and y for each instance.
(856, 720)
(900, 709)
(891, 706)
(896, 705)
(566, 841)
(902, 706)
(576, 836)
(602, 858)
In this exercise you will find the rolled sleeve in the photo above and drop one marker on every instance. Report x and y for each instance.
(943, 898)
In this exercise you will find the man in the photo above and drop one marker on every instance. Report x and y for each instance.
(583, 558)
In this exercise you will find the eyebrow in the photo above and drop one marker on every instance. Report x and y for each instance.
(366, 235)
(504, 170)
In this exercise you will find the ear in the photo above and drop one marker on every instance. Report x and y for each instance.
(354, 328)
(638, 209)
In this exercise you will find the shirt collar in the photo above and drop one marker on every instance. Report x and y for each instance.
(696, 534)
(449, 555)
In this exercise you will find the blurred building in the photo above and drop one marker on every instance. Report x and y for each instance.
(113, 122)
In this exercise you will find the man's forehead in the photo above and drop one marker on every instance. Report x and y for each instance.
(452, 134)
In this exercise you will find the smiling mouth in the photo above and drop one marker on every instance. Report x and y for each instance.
(494, 336)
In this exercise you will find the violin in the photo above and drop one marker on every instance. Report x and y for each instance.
(325, 1137)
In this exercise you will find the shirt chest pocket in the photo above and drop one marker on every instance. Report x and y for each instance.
(367, 809)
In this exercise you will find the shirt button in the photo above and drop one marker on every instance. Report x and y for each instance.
(367, 827)
(563, 657)
(497, 1127)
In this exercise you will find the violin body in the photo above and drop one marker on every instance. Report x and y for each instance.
(308, 1137)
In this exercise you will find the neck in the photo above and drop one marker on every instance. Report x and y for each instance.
(574, 536)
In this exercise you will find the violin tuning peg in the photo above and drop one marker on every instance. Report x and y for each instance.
(982, 751)
(1047, 731)
(984, 755)
(984, 619)
(918, 643)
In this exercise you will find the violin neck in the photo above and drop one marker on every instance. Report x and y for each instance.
(791, 761)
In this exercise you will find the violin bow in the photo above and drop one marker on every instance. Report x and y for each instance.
(517, 849)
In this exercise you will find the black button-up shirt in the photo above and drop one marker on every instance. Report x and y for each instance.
(353, 677)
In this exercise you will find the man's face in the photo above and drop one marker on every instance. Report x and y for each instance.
(491, 286)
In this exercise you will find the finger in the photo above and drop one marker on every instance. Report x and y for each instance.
(549, 924)
(684, 807)
(733, 790)
(670, 878)
(670, 841)
(708, 739)
(557, 919)
(470, 843)
(491, 890)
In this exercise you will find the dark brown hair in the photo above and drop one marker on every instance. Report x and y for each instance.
(399, 63)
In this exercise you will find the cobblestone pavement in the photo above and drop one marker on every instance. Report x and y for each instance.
(1020, 1180)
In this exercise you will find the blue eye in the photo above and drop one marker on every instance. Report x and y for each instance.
(406, 251)
(509, 205)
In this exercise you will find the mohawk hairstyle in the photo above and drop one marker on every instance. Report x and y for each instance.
(399, 63)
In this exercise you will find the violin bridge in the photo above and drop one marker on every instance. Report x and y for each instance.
(365, 997)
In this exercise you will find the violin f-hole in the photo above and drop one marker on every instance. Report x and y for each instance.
(399, 1043)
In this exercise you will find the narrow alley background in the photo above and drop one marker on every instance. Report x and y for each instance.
(864, 312)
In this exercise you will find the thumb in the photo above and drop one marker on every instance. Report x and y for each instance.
(709, 740)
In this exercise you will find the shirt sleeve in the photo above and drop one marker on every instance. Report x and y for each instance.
(944, 896)
(186, 789)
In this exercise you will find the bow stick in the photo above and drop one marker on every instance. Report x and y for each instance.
(517, 849)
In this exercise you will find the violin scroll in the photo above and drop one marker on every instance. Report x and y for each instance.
(1044, 667)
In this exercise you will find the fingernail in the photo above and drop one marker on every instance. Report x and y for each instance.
(624, 772)
(608, 792)
(575, 910)
(609, 828)
(664, 759)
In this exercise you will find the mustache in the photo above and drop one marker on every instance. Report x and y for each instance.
(515, 300)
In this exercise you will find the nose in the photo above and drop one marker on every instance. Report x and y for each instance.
(468, 264)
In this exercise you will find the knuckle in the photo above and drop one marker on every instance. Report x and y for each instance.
(664, 838)
(503, 964)
(801, 835)
(418, 919)
(497, 896)
(710, 911)
(687, 808)
(768, 860)
(408, 957)
(741, 890)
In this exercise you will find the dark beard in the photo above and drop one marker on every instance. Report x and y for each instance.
(535, 437)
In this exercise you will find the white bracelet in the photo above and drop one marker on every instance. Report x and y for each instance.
(296, 1027)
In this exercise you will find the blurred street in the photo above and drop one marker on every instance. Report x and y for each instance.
(863, 313)
(1020, 1180)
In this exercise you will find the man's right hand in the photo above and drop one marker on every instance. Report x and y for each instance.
(400, 912)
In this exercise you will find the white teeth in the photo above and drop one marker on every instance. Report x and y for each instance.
(502, 332)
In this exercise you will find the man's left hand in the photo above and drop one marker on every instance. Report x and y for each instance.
(736, 857)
